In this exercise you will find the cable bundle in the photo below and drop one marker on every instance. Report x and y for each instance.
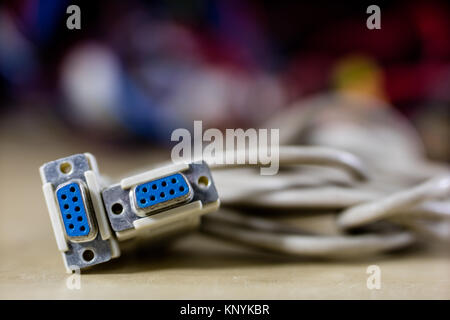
(369, 173)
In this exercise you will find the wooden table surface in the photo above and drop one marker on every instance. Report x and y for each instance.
(196, 267)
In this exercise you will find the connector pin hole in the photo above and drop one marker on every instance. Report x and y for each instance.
(74, 199)
(66, 206)
(82, 228)
(64, 197)
(117, 208)
(181, 189)
(174, 180)
(77, 209)
(203, 182)
(144, 189)
(69, 216)
(152, 198)
(72, 189)
(88, 255)
(164, 183)
(143, 201)
(71, 226)
(65, 167)
(80, 218)
(172, 191)
(162, 194)
(154, 186)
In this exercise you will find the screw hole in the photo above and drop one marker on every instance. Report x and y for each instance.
(88, 255)
(117, 208)
(203, 182)
(65, 167)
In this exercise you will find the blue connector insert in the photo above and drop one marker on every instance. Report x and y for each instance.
(167, 190)
(73, 210)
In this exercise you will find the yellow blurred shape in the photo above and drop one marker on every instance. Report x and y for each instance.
(358, 76)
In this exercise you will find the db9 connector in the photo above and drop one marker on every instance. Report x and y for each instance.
(161, 202)
(89, 217)
(72, 189)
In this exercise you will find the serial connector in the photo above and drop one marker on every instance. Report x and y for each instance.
(89, 217)
(72, 188)
(172, 197)
(161, 193)
(72, 200)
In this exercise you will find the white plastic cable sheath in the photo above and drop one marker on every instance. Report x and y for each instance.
(295, 155)
(312, 246)
(328, 197)
(251, 222)
(395, 203)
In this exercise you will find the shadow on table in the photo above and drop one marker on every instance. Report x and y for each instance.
(201, 252)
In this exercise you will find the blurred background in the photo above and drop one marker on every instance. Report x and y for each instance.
(137, 70)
